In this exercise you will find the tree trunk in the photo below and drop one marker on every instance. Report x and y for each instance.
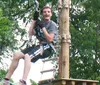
(65, 39)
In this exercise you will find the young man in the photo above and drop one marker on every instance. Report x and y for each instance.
(46, 31)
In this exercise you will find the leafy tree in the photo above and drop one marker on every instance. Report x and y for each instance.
(8, 31)
(85, 48)
(84, 28)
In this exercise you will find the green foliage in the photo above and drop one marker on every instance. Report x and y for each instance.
(2, 74)
(33, 82)
(22, 9)
(9, 29)
(85, 47)
(84, 28)
(6, 35)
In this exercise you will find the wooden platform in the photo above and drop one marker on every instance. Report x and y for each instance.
(68, 82)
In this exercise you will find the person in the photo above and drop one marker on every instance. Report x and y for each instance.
(46, 31)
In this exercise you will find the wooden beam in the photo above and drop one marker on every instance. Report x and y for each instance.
(48, 70)
(65, 81)
(51, 59)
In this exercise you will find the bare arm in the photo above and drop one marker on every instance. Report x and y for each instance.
(31, 29)
(48, 36)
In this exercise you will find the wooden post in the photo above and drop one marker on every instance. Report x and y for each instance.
(65, 38)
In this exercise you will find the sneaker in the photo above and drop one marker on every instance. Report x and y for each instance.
(5, 82)
(22, 82)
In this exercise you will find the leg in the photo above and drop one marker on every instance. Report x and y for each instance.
(14, 64)
(27, 66)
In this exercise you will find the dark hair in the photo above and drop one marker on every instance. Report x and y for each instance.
(46, 7)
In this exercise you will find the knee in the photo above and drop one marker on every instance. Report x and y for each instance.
(18, 55)
(27, 57)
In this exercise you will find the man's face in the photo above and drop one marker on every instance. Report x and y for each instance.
(47, 13)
